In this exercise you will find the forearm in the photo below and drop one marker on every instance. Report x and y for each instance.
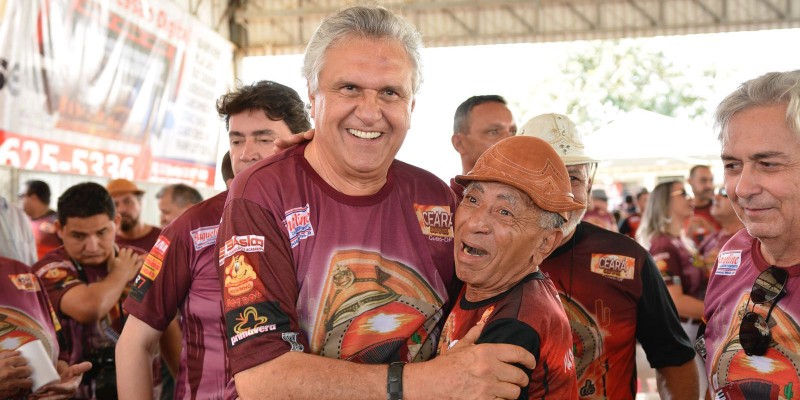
(170, 345)
(687, 306)
(135, 352)
(307, 376)
(89, 303)
(679, 382)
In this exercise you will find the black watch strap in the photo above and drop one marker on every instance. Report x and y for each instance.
(394, 381)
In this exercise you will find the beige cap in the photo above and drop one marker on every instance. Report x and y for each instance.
(561, 133)
(530, 165)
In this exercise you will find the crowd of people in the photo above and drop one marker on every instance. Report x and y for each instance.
(331, 270)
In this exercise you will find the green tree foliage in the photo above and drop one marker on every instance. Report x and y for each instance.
(605, 78)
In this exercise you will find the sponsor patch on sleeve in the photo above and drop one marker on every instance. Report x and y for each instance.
(237, 244)
(298, 223)
(613, 266)
(436, 221)
(728, 262)
(140, 287)
(55, 271)
(245, 323)
(204, 236)
(26, 282)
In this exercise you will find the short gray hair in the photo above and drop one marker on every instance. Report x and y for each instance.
(366, 22)
(768, 89)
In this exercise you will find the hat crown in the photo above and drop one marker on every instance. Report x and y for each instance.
(530, 165)
(120, 186)
(561, 133)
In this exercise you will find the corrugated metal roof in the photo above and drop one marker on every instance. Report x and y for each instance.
(264, 27)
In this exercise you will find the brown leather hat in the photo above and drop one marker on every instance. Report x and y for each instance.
(120, 186)
(531, 165)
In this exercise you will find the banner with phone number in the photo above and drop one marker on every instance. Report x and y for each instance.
(114, 88)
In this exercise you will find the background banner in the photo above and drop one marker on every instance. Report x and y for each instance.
(113, 88)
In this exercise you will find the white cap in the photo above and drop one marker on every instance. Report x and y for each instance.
(561, 133)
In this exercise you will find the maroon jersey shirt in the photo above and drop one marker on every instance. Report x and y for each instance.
(528, 315)
(701, 224)
(675, 260)
(180, 274)
(25, 311)
(614, 295)
(145, 242)
(304, 267)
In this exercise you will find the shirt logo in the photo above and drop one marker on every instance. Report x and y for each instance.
(25, 282)
(161, 246)
(204, 237)
(613, 266)
(250, 323)
(246, 243)
(298, 224)
(239, 276)
(728, 262)
(436, 221)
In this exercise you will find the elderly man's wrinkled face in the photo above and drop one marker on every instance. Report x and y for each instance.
(362, 107)
(761, 158)
(498, 239)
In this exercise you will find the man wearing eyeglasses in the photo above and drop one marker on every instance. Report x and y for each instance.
(752, 309)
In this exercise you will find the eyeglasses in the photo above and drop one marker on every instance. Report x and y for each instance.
(722, 192)
(682, 193)
(754, 335)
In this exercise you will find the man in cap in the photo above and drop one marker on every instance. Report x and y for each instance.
(598, 211)
(35, 197)
(752, 305)
(517, 198)
(128, 201)
(181, 275)
(612, 292)
(479, 122)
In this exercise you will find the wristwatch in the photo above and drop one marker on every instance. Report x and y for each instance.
(394, 381)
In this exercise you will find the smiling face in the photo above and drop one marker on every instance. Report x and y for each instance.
(251, 135)
(488, 124)
(498, 239)
(362, 108)
(761, 157)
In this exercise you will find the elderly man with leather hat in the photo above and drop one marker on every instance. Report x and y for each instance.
(612, 291)
(517, 197)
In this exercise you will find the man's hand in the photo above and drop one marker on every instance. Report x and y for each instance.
(127, 261)
(470, 371)
(71, 376)
(285, 143)
(15, 374)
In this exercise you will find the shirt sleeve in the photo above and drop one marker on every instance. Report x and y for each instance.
(163, 281)
(58, 276)
(667, 261)
(259, 286)
(513, 331)
(658, 328)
